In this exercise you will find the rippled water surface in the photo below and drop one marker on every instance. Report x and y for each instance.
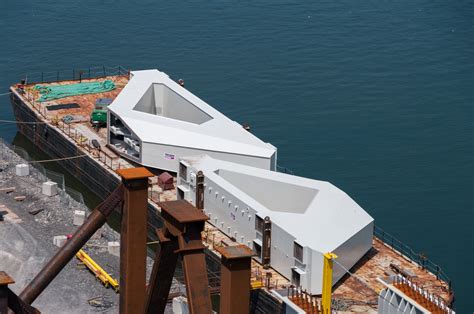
(373, 96)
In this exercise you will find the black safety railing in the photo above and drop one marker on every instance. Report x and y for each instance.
(284, 170)
(406, 251)
(75, 74)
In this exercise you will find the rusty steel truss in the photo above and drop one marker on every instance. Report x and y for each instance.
(180, 238)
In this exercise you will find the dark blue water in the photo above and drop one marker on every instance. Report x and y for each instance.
(374, 96)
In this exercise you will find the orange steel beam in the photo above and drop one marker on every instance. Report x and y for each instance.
(161, 276)
(5, 280)
(133, 240)
(185, 222)
(235, 279)
(10, 301)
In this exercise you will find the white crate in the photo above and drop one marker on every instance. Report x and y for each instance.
(49, 188)
(22, 170)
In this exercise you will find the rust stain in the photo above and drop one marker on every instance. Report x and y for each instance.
(376, 264)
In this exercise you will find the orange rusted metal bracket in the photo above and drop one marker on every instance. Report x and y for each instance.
(162, 274)
(181, 236)
(9, 300)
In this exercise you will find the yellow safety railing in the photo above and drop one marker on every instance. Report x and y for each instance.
(100, 273)
(256, 284)
(327, 282)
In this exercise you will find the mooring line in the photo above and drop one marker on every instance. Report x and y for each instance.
(20, 122)
(56, 159)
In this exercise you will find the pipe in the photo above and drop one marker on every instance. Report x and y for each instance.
(62, 257)
(96, 220)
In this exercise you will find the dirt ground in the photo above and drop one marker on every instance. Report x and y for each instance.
(26, 244)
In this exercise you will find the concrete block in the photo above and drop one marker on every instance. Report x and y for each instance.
(59, 240)
(180, 305)
(114, 248)
(79, 217)
(22, 170)
(49, 188)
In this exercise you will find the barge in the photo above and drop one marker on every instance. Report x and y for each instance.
(61, 128)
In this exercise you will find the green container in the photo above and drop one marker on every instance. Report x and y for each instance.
(99, 116)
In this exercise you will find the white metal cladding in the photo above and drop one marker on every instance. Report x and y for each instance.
(170, 122)
(317, 215)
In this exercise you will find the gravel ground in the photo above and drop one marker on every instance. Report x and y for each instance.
(27, 245)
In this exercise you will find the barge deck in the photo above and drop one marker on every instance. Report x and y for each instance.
(67, 134)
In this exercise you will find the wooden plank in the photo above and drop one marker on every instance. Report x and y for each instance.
(8, 189)
(35, 211)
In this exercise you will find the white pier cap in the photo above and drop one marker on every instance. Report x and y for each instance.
(309, 217)
(154, 121)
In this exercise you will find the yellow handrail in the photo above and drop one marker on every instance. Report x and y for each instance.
(256, 284)
(327, 282)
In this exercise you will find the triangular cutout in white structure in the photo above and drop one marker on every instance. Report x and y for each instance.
(308, 217)
(154, 121)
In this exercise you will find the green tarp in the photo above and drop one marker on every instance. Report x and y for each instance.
(60, 91)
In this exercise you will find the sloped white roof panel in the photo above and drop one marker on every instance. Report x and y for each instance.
(218, 134)
(327, 221)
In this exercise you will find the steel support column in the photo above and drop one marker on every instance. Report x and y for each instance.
(10, 301)
(186, 222)
(5, 280)
(200, 190)
(235, 279)
(161, 276)
(133, 240)
(266, 242)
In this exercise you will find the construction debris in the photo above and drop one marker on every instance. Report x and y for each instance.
(114, 248)
(180, 305)
(34, 212)
(8, 189)
(49, 188)
(100, 302)
(59, 240)
(79, 217)
(30, 227)
(22, 170)
(8, 215)
(97, 235)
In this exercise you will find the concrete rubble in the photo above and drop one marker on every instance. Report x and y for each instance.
(22, 170)
(79, 217)
(26, 245)
(49, 188)
(114, 248)
(59, 240)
